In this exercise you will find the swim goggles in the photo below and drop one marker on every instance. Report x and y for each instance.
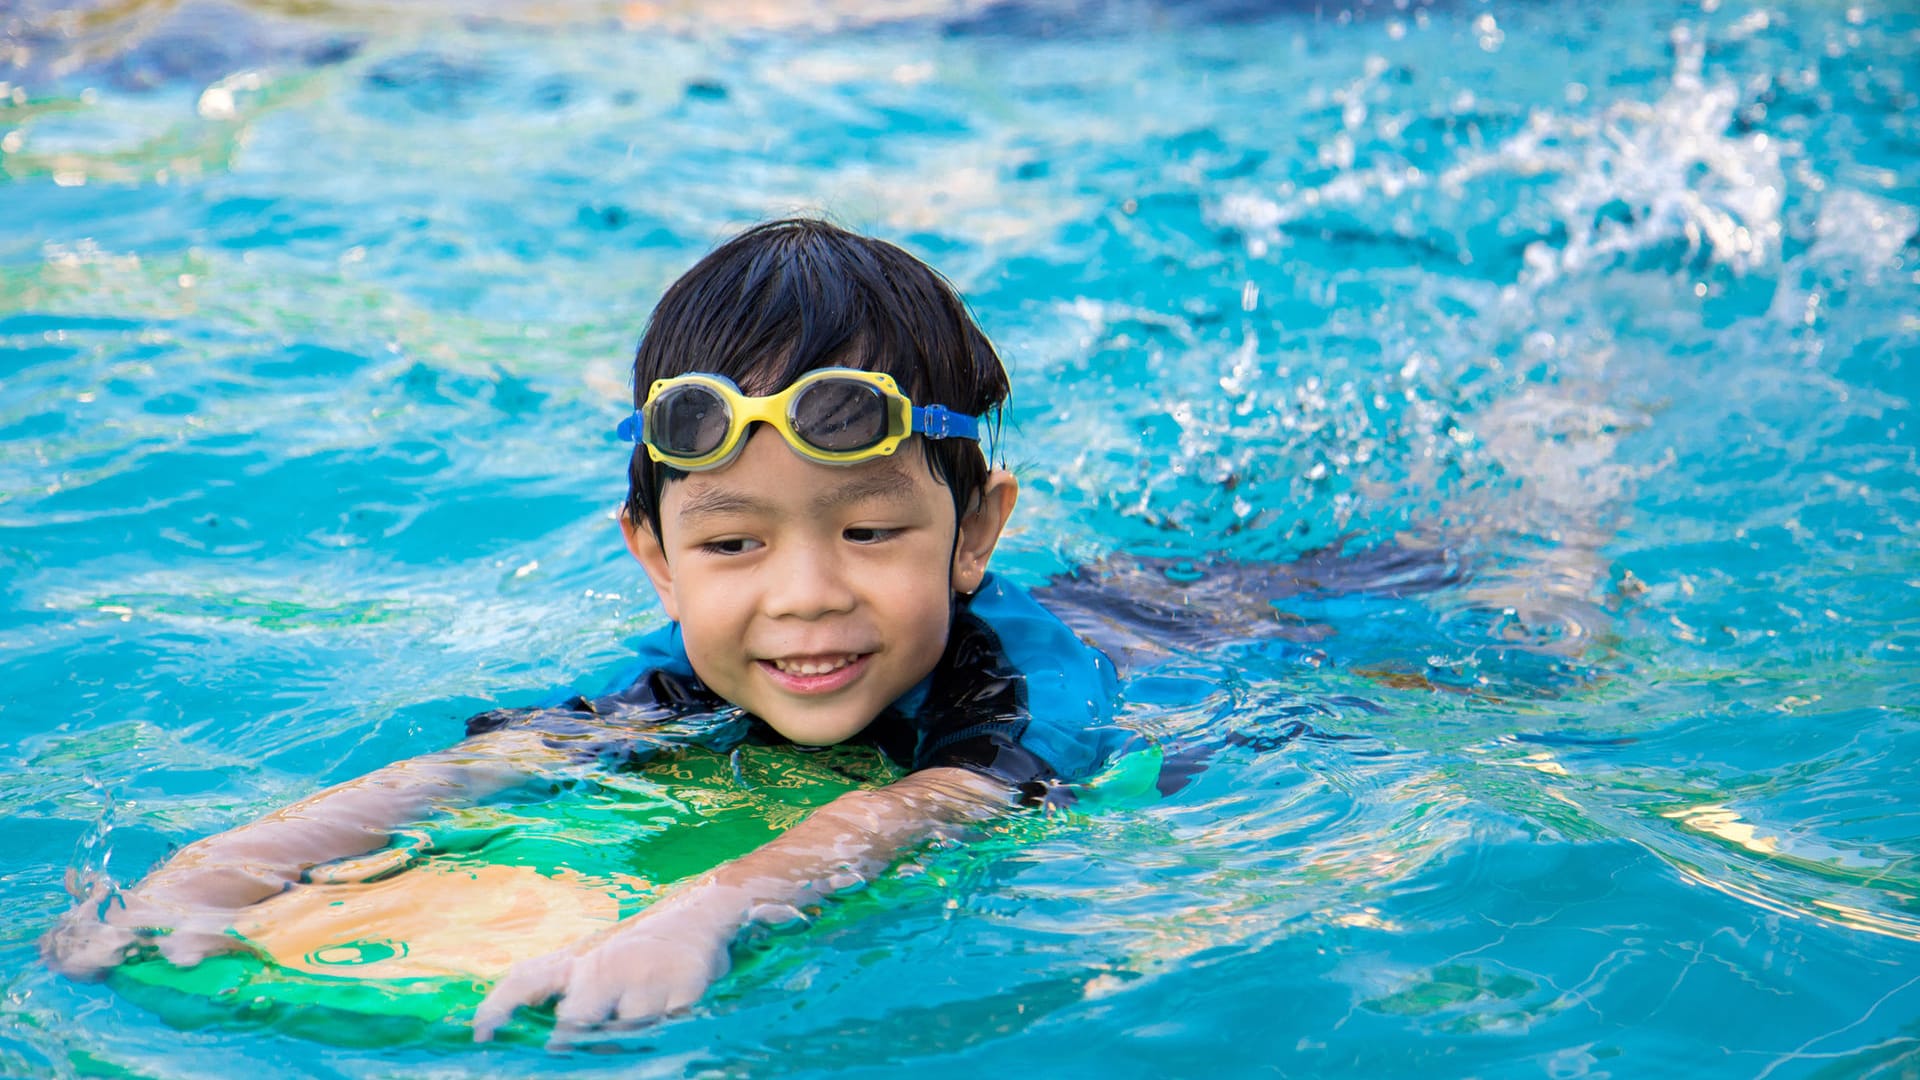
(836, 416)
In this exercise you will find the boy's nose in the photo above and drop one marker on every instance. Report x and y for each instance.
(806, 583)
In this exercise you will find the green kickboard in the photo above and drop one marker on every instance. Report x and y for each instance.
(400, 946)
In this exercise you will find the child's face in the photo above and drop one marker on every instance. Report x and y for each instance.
(815, 595)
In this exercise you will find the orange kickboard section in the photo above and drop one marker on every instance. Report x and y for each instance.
(432, 922)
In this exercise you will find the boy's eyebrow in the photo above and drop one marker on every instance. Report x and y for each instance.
(716, 501)
(885, 482)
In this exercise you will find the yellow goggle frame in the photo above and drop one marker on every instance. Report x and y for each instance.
(897, 418)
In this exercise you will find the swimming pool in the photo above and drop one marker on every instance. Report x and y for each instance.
(311, 334)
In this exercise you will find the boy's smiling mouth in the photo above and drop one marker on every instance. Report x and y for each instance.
(815, 674)
(814, 665)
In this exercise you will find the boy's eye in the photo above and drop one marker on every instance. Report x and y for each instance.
(733, 545)
(868, 534)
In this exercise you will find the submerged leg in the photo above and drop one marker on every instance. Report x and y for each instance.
(1138, 609)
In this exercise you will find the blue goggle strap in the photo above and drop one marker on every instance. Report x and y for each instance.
(933, 421)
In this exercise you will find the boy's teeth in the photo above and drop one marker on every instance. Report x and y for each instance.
(814, 667)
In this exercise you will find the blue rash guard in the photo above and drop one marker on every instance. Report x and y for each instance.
(1017, 695)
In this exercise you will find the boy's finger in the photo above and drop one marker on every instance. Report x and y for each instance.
(529, 983)
(569, 1030)
(186, 948)
(586, 1006)
(643, 1002)
(683, 996)
(80, 946)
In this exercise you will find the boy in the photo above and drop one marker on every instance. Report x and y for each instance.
(810, 500)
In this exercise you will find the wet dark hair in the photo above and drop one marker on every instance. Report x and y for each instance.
(793, 296)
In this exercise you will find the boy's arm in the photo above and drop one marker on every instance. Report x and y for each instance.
(186, 905)
(665, 957)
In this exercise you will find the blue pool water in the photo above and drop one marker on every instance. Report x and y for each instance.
(311, 342)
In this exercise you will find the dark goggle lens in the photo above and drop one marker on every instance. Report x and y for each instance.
(688, 421)
(840, 415)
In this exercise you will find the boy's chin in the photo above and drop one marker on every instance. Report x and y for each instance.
(813, 731)
(828, 726)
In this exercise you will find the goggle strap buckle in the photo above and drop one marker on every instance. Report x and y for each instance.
(940, 422)
(630, 428)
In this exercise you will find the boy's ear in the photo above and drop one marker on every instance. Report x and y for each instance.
(652, 558)
(980, 529)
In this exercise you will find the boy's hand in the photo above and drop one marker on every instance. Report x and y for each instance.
(655, 963)
(88, 941)
(664, 958)
(185, 909)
